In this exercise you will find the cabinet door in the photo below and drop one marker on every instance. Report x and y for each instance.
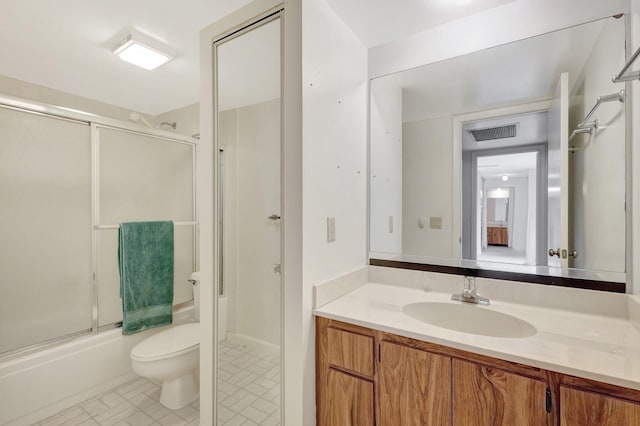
(414, 387)
(487, 396)
(580, 408)
(348, 401)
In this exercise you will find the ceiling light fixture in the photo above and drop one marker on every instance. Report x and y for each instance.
(143, 51)
(505, 178)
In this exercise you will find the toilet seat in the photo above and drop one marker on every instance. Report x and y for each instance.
(169, 343)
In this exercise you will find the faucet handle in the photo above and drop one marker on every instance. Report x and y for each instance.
(469, 288)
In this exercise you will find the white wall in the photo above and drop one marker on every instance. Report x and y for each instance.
(597, 172)
(427, 187)
(334, 162)
(251, 140)
(633, 160)
(532, 218)
(386, 168)
(22, 89)
(187, 119)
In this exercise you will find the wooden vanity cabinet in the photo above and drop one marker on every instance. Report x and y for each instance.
(497, 236)
(368, 377)
(584, 408)
(349, 400)
(345, 369)
(414, 386)
(484, 395)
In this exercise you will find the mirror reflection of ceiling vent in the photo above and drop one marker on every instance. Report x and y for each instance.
(492, 133)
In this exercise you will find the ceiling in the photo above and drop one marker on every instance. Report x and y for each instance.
(511, 165)
(66, 45)
(377, 22)
(514, 73)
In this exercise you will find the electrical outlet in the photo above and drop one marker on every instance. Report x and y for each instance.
(331, 229)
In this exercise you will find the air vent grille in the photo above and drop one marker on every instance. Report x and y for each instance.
(491, 133)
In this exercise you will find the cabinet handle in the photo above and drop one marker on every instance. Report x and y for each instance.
(548, 400)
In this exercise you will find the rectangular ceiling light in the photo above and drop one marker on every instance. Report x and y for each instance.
(142, 51)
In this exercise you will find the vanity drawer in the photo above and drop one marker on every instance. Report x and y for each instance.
(350, 351)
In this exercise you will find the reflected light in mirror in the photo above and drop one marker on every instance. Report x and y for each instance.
(498, 193)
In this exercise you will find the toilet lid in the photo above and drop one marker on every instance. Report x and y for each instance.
(167, 342)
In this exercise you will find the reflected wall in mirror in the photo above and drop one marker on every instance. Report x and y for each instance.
(475, 158)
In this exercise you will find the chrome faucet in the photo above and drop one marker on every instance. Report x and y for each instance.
(469, 293)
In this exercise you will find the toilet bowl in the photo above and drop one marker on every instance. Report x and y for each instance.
(173, 356)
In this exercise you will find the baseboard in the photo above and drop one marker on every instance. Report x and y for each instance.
(252, 342)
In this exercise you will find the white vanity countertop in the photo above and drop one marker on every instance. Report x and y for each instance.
(595, 347)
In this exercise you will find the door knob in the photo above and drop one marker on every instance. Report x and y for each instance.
(573, 254)
(553, 252)
(274, 217)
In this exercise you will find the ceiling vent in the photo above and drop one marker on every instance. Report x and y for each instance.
(492, 133)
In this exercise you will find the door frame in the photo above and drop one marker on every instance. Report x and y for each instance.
(292, 295)
(456, 147)
(541, 191)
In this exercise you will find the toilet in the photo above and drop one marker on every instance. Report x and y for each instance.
(173, 356)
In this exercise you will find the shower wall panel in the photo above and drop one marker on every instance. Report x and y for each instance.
(251, 138)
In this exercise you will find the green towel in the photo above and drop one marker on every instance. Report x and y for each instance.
(145, 261)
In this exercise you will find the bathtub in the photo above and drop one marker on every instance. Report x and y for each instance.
(40, 384)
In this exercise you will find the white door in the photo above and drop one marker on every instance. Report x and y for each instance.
(558, 170)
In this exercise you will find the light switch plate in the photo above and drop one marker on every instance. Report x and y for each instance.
(391, 224)
(331, 229)
(435, 222)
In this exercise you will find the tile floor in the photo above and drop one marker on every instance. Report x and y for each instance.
(249, 394)
(132, 404)
(249, 386)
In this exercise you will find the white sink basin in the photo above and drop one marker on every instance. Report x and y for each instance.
(469, 318)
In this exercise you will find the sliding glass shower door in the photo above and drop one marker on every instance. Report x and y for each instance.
(141, 178)
(65, 186)
(45, 229)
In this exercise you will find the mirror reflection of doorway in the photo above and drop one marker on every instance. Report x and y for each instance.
(499, 224)
(247, 68)
(505, 179)
(508, 202)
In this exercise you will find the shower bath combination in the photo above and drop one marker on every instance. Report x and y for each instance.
(71, 300)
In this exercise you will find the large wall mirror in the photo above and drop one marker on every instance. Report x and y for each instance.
(510, 159)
